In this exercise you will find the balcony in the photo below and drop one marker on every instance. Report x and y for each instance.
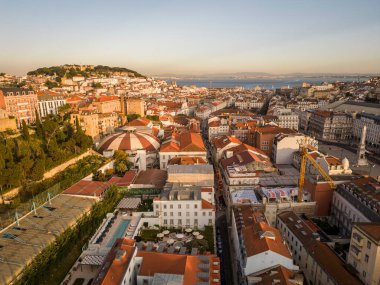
(357, 239)
(355, 252)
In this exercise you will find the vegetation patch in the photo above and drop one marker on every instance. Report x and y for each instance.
(145, 206)
(28, 157)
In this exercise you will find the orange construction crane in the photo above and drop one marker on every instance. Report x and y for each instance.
(305, 155)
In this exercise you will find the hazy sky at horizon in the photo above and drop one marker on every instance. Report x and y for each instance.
(192, 37)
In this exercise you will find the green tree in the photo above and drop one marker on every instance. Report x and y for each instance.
(154, 118)
(38, 169)
(25, 131)
(97, 85)
(131, 117)
(51, 84)
(121, 163)
(98, 175)
(39, 128)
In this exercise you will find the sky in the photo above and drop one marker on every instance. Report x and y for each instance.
(192, 37)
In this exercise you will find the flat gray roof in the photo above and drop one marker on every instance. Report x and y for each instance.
(19, 245)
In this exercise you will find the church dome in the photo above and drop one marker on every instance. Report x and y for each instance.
(130, 141)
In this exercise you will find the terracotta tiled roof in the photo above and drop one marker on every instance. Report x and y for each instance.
(370, 229)
(116, 263)
(185, 142)
(206, 205)
(206, 189)
(185, 265)
(155, 262)
(156, 177)
(330, 263)
(222, 141)
(139, 122)
(186, 160)
(88, 188)
(127, 179)
(245, 154)
(259, 237)
(106, 98)
(277, 275)
(214, 124)
(73, 99)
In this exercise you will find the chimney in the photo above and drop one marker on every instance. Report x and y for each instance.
(229, 154)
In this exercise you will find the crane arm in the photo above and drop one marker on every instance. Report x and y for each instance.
(321, 171)
(306, 156)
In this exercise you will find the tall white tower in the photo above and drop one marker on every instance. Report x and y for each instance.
(361, 148)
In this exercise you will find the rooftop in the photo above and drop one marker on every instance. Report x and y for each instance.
(156, 177)
(372, 230)
(184, 142)
(116, 263)
(258, 236)
(331, 263)
(194, 268)
(187, 160)
(277, 275)
(20, 244)
(88, 188)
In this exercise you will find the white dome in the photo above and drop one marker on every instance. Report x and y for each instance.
(345, 163)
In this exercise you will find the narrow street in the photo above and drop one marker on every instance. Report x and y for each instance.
(221, 226)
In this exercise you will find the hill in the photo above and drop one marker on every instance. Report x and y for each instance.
(83, 70)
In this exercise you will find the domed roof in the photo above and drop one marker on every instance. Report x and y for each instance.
(130, 141)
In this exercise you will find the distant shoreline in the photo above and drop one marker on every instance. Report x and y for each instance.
(266, 83)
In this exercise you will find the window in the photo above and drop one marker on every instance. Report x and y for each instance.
(179, 206)
(210, 213)
(164, 206)
(195, 221)
(171, 206)
(195, 206)
(187, 206)
(187, 214)
(171, 214)
(195, 213)
(204, 214)
(210, 221)
(179, 214)
(366, 258)
(368, 244)
(165, 214)
(157, 206)
(165, 222)
(171, 221)
(179, 222)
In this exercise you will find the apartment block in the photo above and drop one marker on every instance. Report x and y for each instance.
(364, 254)
(20, 104)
